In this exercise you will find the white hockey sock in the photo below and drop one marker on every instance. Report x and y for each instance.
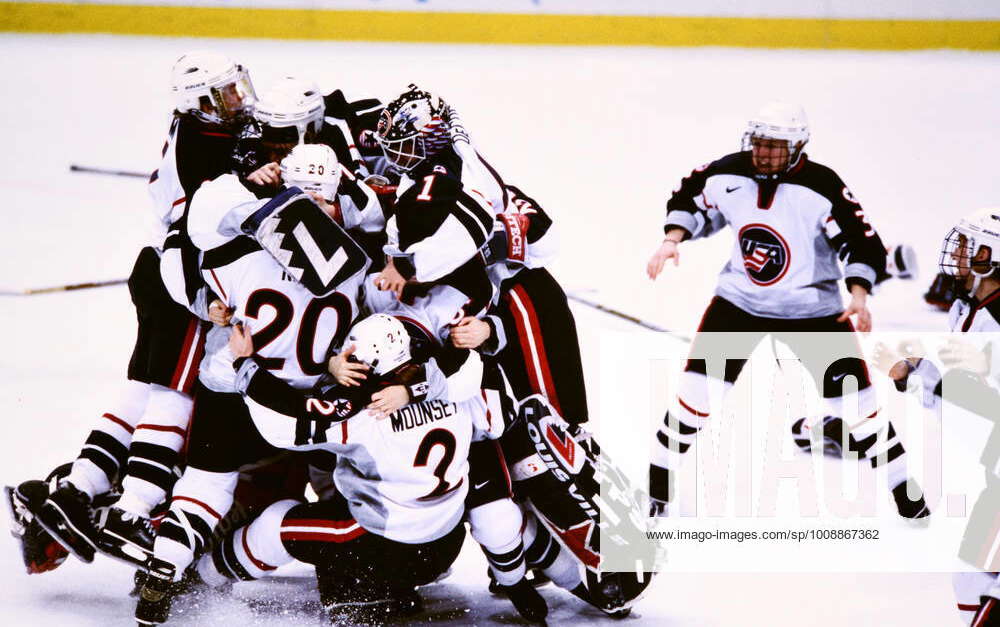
(104, 453)
(679, 430)
(252, 551)
(158, 437)
(496, 526)
(200, 500)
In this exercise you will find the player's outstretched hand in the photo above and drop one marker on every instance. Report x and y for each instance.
(667, 250)
(896, 365)
(858, 309)
(346, 372)
(470, 332)
(960, 353)
(240, 341)
(219, 314)
(388, 400)
(267, 175)
(390, 279)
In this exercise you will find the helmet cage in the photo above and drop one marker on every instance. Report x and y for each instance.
(403, 154)
(959, 252)
(795, 141)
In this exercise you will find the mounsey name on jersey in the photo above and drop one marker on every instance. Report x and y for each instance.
(420, 414)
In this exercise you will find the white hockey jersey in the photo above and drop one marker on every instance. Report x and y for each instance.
(980, 322)
(790, 230)
(293, 330)
(405, 477)
(440, 248)
(192, 153)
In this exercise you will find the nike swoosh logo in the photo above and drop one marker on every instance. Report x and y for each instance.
(730, 190)
(480, 485)
(839, 376)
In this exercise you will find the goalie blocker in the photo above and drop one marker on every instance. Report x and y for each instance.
(306, 242)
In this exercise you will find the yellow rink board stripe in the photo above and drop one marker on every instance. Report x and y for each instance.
(497, 28)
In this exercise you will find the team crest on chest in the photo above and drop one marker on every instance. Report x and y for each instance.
(766, 255)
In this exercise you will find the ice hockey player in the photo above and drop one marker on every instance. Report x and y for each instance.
(453, 204)
(397, 511)
(792, 218)
(970, 254)
(137, 440)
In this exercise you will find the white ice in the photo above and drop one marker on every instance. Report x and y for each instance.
(598, 135)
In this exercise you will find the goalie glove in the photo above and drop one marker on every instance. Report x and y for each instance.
(509, 239)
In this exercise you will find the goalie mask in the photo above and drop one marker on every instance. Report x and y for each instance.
(211, 87)
(381, 342)
(312, 168)
(290, 112)
(411, 128)
(972, 247)
(776, 136)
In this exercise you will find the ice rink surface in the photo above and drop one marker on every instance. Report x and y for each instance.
(599, 136)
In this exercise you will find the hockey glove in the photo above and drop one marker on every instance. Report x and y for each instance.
(509, 239)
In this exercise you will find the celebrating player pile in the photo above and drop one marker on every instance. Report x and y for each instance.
(344, 295)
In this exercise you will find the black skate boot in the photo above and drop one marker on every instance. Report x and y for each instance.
(913, 510)
(833, 436)
(66, 515)
(39, 551)
(156, 594)
(127, 537)
(529, 604)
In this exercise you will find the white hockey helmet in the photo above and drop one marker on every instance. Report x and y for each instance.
(411, 128)
(211, 87)
(289, 110)
(973, 245)
(312, 168)
(381, 342)
(780, 121)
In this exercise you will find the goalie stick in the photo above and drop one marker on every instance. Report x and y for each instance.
(91, 170)
(32, 291)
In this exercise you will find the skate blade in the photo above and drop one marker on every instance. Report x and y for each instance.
(127, 553)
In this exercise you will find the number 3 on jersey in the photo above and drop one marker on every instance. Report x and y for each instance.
(443, 438)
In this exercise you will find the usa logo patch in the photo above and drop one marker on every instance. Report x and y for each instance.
(766, 255)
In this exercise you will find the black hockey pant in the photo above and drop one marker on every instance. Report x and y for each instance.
(542, 355)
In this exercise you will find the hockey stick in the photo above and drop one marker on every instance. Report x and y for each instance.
(32, 291)
(575, 296)
(89, 170)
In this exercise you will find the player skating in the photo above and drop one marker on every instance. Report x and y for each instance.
(793, 219)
